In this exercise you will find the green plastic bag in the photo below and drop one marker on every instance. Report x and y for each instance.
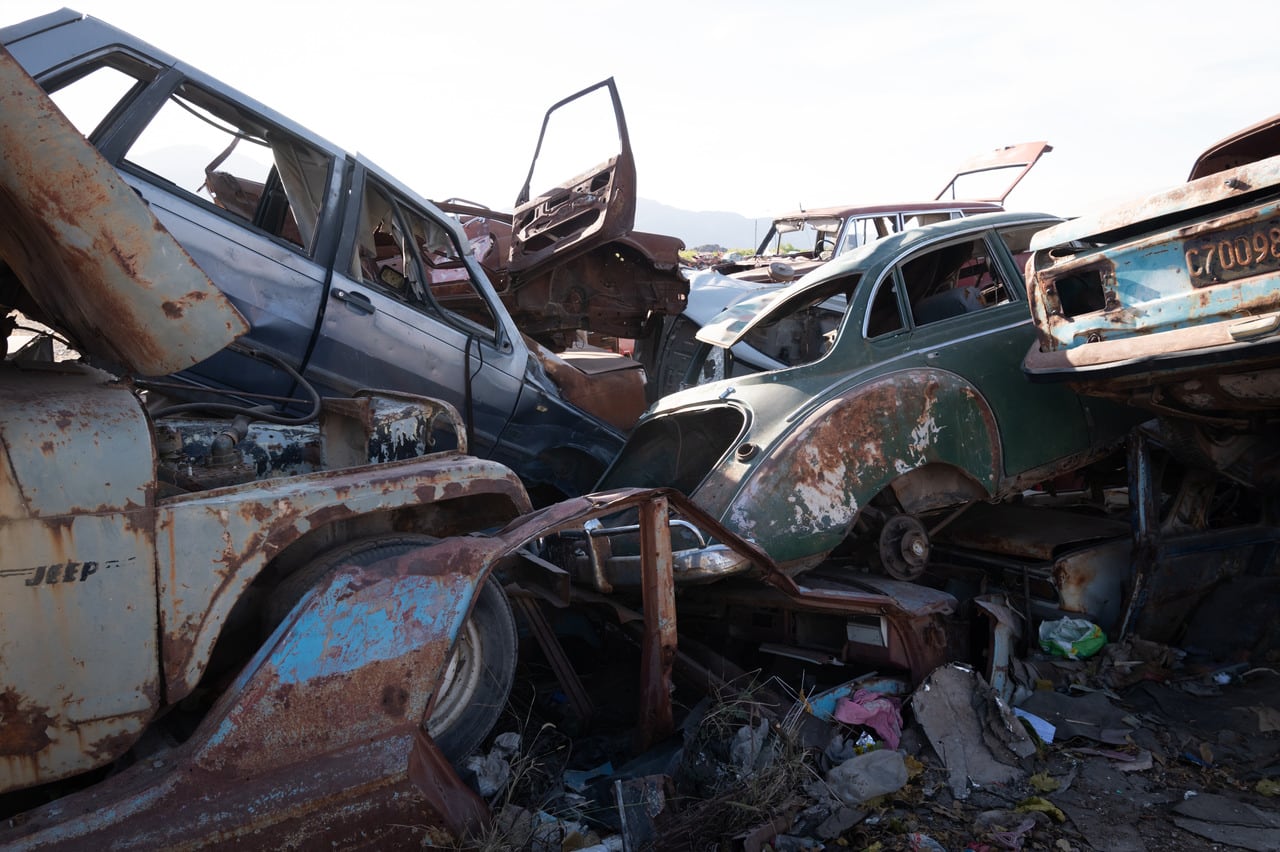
(1073, 638)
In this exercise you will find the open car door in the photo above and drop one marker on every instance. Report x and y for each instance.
(568, 259)
(593, 208)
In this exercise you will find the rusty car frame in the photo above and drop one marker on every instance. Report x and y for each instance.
(182, 624)
(979, 185)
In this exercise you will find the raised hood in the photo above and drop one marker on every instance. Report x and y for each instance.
(996, 172)
(89, 252)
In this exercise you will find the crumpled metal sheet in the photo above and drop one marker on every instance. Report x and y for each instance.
(90, 252)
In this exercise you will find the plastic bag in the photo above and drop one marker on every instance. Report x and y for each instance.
(1073, 638)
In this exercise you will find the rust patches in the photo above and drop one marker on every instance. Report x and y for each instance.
(258, 511)
(395, 699)
(23, 732)
(171, 309)
(110, 747)
(1073, 582)
(323, 516)
(127, 262)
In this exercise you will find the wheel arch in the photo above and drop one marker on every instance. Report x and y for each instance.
(201, 602)
(803, 498)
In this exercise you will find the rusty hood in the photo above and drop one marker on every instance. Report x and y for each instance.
(1256, 142)
(89, 252)
(1214, 191)
(1010, 163)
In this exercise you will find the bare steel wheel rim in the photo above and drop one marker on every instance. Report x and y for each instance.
(461, 680)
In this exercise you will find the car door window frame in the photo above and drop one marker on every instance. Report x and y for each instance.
(135, 119)
(423, 300)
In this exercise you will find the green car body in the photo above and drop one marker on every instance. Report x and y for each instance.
(910, 400)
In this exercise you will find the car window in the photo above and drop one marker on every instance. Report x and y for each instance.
(860, 230)
(958, 278)
(884, 316)
(803, 328)
(218, 153)
(409, 255)
(90, 98)
(1018, 241)
(919, 220)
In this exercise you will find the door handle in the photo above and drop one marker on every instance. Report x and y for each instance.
(355, 299)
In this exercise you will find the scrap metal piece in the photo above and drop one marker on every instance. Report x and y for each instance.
(659, 649)
(90, 252)
(313, 739)
(459, 808)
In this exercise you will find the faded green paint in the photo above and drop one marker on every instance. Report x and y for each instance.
(805, 493)
(824, 437)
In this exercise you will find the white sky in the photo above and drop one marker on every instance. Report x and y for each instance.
(747, 106)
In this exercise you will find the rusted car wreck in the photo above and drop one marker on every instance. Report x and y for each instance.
(1171, 304)
(350, 280)
(289, 624)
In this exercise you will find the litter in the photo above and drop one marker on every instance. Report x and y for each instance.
(1073, 638)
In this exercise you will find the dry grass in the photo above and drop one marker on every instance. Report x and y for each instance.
(713, 809)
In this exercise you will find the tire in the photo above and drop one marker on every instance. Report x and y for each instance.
(479, 672)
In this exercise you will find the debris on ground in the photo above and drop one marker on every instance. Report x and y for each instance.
(1152, 765)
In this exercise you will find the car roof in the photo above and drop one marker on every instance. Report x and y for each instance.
(145, 303)
(846, 211)
(92, 36)
(882, 250)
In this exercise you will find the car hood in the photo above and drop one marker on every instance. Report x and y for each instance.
(756, 304)
(89, 252)
(1253, 143)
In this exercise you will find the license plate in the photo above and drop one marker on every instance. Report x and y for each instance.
(1233, 253)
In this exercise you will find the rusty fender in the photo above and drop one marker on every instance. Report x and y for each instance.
(245, 526)
(312, 741)
(858, 443)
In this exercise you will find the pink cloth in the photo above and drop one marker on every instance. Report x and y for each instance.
(870, 709)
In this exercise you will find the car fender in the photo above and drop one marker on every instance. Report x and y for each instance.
(325, 713)
(803, 496)
(242, 527)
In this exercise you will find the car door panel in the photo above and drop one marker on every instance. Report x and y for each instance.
(277, 290)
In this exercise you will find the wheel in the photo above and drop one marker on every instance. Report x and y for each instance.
(477, 680)
(904, 547)
(478, 675)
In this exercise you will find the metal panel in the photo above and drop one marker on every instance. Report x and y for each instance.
(311, 744)
(79, 658)
(89, 252)
(237, 530)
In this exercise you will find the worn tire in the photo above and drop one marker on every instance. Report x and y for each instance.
(479, 672)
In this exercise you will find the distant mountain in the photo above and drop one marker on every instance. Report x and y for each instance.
(728, 230)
